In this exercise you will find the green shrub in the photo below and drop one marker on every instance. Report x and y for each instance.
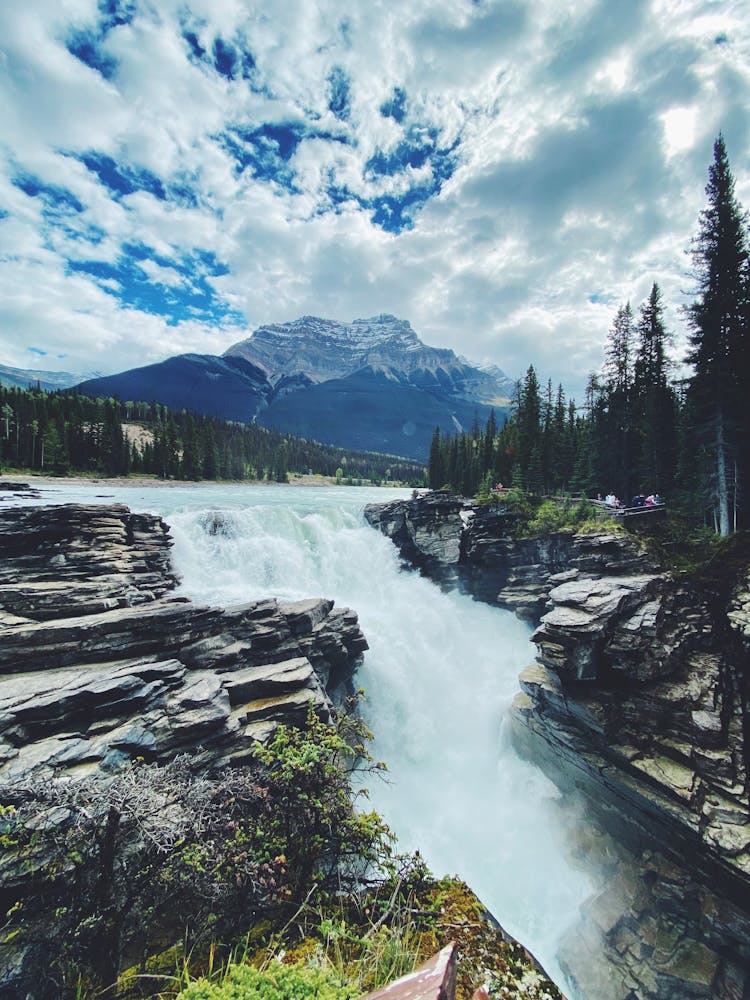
(278, 982)
(313, 825)
(158, 853)
(552, 516)
(517, 502)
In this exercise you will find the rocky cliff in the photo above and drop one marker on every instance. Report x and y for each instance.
(100, 662)
(637, 698)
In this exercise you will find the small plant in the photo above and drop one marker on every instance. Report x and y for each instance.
(517, 502)
(313, 826)
(484, 494)
(277, 982)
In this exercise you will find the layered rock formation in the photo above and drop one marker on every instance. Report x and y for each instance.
(637, 698)
(100, 663)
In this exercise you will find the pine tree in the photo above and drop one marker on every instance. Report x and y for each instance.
(719, 351)
(654, 402)
(436, 465)
(528, 416)
(613, 409)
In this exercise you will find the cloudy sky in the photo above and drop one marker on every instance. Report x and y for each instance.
(174, 173)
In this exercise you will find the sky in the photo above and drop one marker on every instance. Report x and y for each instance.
(176, 173)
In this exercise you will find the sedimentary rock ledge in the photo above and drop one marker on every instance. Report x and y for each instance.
(100, 662)
(637, 698)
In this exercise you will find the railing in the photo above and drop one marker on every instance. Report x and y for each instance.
(435, 980)
(618, 512)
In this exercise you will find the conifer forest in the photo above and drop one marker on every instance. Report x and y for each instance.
(641, 428)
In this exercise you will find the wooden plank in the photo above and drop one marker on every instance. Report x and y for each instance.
(435, 980)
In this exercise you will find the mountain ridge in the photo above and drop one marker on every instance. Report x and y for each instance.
(324, 348)
(371, 384)
(22, 378)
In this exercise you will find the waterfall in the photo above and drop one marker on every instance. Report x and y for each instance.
(439, 676)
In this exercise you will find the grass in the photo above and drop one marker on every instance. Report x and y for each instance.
(352, 946)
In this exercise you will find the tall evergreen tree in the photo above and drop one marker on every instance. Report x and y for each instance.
(654, 403)
(529, 415)
(718, 344)
(436, 466)
(613, 414)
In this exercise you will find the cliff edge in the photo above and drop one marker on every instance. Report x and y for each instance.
(100, 662)
(637, 698)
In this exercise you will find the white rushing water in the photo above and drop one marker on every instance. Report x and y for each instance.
(440, 674)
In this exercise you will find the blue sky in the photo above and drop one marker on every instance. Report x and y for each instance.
(174, 174)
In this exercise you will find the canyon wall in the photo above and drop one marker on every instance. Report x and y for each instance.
(100, 662)
(637, 699)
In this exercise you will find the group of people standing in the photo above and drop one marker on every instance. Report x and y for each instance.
(639, 500)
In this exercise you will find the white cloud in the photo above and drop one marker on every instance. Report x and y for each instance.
(583, 135)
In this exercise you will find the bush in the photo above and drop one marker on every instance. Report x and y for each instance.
(278, 982)
(313, 825)
(97, 872)
(551, 516)
(517, 502)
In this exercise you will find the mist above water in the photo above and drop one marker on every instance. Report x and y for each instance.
(439, 676)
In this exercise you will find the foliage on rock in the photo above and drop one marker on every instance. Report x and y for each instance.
(313, 825)
(278, 982)
(97, 871)
(364, 941)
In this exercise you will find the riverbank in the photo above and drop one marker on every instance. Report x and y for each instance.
(138, 482)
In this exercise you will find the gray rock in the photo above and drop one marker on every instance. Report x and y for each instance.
(638, 700)
(105, 665)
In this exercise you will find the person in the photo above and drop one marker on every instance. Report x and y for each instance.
(610, 499)
(650, 500)
(658, 499)
(638, 500)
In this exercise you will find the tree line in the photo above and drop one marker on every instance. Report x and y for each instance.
(61, 432)
(641, 429)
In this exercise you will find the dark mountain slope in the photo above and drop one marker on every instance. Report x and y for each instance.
(372, 411)
(370, 384)
(231, 388)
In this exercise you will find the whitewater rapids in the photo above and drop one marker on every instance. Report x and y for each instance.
(439, 676)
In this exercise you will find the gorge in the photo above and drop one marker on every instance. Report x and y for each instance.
(440, 675)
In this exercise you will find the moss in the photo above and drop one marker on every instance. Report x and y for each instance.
(485, 955)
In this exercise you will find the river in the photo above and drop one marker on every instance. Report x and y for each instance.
(439, 676)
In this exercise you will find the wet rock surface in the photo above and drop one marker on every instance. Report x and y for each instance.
(637, 699)
(101, 663)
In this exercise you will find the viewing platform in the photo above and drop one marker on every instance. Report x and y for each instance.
(610, 512)
(602, 510)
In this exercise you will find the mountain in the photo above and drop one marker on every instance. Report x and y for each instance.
(231, 388)
(21, 378)
(322, 349)
(372, 410)
(370, 384)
